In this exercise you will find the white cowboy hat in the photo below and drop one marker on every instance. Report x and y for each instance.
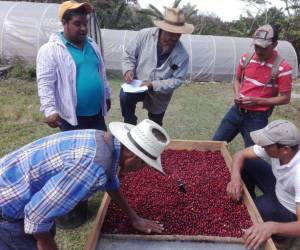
(174, 22)
(147, 140)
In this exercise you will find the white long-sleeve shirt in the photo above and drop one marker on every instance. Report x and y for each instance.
(56, 79)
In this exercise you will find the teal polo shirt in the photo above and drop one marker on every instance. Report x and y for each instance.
(89, 84)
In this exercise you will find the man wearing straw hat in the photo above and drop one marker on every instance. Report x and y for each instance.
(278, 145)
(158, 58)
(47, 178)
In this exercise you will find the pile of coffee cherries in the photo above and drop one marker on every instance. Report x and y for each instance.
(198, 206)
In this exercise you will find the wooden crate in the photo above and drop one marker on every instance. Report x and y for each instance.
(95, 235)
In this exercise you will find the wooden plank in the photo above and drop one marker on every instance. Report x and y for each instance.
(195, 145)
(97, 226)
(181, 145)
(173, 238)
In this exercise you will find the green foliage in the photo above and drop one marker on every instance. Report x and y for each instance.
(124, 14)
(176, 3)
(152, 11)
(286, 19)
(119, 14)
(19, 71)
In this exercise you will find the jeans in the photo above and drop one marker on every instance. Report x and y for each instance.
(128, 103)
(13, 237)
(238, 121)
(259, 173)
(271, 209)
(85, 122)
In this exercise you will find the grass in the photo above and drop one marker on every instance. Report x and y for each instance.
(194, 113)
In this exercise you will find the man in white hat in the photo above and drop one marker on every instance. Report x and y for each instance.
(279, 206)
(47, 178)
(263, 80)
(156, 57)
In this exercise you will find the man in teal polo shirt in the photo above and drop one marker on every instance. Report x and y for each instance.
(89, 91)
(72, 84)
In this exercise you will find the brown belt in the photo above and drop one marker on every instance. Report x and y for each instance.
(246, 111)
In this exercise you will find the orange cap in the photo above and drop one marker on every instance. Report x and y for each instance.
(72, 5)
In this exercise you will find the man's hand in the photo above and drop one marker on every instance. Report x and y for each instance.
(128, 76)
(45, 241)
(139, 223)
(147, 226)
(53, 120)
(108, 104)
(148, 84)
(258, 234)
(234, 189)
(249, 100)
(237, 99)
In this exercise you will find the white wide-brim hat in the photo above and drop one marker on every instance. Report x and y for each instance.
(147, 140)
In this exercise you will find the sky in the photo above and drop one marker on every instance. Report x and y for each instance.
(227, 10)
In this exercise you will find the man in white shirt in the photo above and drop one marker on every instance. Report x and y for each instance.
(277, 144)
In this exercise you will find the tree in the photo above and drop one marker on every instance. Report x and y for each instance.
(155, 13)
(116, 14)
(287, 20)
(190, 12)
(292, 6)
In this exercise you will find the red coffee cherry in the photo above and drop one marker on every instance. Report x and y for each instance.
(205, 208)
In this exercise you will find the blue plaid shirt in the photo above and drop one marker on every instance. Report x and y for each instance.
(47, 178)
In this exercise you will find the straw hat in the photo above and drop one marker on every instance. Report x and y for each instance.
(72, 5)
(147, 140)
(174, 22)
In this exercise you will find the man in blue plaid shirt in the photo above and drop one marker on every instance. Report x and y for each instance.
(47, 178)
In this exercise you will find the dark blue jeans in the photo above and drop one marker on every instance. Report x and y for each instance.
(128, 103)
(85, 122)
(13, 237)
(271, 209)
(236, 121)
(259, 173)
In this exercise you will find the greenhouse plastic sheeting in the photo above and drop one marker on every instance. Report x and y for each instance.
(25, 26)
(212, 58)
